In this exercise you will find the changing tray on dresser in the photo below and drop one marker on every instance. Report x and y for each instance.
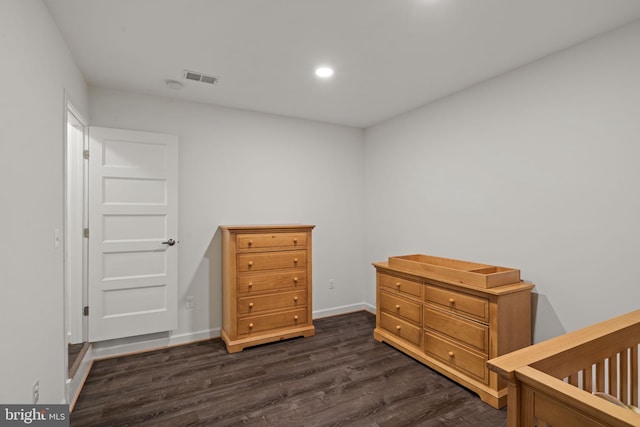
(453, 316)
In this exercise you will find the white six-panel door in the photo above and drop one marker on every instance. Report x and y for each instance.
(133, 208)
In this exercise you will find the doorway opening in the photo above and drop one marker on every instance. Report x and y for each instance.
(75, 244)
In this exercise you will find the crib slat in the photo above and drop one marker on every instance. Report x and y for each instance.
(613, 376)
(599, 377)
(573, 380)
(634, 375)
(587, 379)
(624, 377)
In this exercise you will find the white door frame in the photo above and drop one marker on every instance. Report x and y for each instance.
(75, 220)
(75, 260)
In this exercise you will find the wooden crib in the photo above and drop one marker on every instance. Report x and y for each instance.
(557, 382)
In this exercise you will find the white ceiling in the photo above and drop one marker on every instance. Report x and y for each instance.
(389, 55)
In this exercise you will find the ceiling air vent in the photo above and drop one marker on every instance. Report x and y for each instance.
(199, 77)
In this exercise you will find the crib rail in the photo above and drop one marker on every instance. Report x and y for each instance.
(552, 383)
(608, 365)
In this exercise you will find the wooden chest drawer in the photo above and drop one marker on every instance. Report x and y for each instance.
(462, 359)
(261, 261)
(271, 241)
(400, 328)
(401, 307)
(399, 284)
(282, 300)
(253, 283)
(269, 322)
(266, 284)
(473, 334)
(457, 302)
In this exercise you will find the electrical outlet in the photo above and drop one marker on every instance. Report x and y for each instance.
(189, 302)
(36, 391)
(332, 283)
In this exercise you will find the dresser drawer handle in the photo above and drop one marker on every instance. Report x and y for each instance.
(398, 285)
(250, 242)
(452, 301)
(295, 280)
(397, 306)
(451, 354)
(295, 299)
(250, 325)
(250, 305)
(250, 264)
(398, 328)
(295, 318)
(295, 241)
(295, 260)
(250, 285)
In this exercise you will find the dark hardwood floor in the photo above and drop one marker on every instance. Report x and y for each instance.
(339, 377)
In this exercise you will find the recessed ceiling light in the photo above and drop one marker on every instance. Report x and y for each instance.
(324, 72)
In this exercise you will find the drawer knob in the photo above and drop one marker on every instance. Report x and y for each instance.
(250, 305)
(451, 354)
(295, 318)
(295, 299)
(295, 260)
(250, 263)
(397, 306)
(452, 301)
(295, 240)
(250, 284)
(398, 328)
(250, 325)
(295, 280)
(398, 285)
(250, 242)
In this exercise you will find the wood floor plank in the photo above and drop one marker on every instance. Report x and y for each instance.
(339, 377)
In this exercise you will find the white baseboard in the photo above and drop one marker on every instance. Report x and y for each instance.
(344, 309)
(107, 349)
(74, 385)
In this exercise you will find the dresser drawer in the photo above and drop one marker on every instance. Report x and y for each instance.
(269, 322)
(406, 286)
(271, 240)
(457, 302)
(471, 363)
(253, 283)
(401, 307)
(468, 332)
(282, 300)
(400, 328)
(261, 261)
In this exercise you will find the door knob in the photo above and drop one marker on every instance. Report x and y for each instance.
(169, 242)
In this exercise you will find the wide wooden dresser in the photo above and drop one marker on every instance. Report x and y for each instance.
(453, 316)
(266, 284)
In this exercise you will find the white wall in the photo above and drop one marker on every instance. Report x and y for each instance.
(238, 167)
(536, 169)
(37, 67)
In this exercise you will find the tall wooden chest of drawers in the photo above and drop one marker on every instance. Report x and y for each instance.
(266, 284)
(451, 326)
